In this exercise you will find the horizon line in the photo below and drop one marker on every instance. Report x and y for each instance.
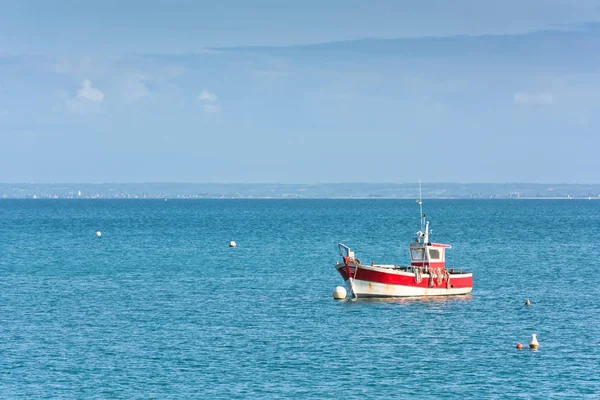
(297, 183)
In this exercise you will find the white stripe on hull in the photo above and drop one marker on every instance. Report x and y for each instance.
(376, 289)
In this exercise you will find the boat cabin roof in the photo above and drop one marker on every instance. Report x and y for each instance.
(439, 245)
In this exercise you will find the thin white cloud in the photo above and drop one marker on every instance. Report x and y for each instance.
(135, 88)
(533, 99)
(211, 108)
(207, 96)
(208, 101)
(61, 66)
(88, 99)
(88, 92)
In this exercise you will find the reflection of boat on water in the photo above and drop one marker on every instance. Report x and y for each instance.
(426, 275)
(433, 303)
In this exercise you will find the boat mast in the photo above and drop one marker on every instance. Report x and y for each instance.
(420, 206)
(424, 224)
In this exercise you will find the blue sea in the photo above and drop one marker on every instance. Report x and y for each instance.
(161, 307)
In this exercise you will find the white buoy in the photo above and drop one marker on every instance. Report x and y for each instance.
(533, 343)
(98, 233)
(232, 244)
(339, 293)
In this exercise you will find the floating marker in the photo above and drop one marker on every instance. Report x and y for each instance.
(232, 244)
(98, 233)
(339, 293)
(533, 343)
(519, 346)
(527, 302)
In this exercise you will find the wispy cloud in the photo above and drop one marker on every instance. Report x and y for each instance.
(88, 92)
(135, 88)
(211, 108)
(207, 96)
(87, 100)
(208, 101)
(533, 99)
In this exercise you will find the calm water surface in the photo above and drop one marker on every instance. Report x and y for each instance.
(160, 307)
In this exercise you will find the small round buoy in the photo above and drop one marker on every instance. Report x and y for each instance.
(98, 233)
(533, 343)
(339, 293)
(232, 244)
(527, 302)
(519, 346)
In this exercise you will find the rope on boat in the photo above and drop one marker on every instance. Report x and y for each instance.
(356, 262)
(439, 276)
(418, 277)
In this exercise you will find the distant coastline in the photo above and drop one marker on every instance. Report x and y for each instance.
(298, 191)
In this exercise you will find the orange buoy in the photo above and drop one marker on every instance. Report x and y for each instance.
(519, 346)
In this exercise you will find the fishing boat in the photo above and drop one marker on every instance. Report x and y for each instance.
(427, 274)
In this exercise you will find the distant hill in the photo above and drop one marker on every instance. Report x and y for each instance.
(327, 190)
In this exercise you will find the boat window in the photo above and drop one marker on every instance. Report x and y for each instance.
(417, 254)
(434, 254)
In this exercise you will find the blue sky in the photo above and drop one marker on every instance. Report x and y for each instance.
(299, 92)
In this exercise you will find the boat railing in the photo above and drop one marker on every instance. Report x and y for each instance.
(425, 269)
(345, 250)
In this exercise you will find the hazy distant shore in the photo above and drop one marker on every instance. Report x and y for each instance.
(300, 191)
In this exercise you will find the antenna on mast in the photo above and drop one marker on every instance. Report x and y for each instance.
(420, 206)
(423, 233)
